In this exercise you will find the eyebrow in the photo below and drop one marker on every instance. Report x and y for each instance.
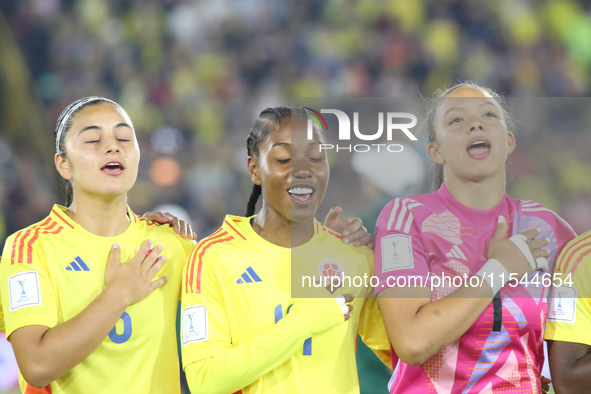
(289, 145)
(281, 144)
(481, 105)
(94, 127)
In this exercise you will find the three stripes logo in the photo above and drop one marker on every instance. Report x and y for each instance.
(401, 217)
(77, 265)
(456, 253)
(246, 278)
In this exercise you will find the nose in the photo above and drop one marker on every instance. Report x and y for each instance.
(300, 168)
(112, 146)
(475, 125)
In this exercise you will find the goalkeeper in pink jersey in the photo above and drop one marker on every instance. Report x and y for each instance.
(452, 337)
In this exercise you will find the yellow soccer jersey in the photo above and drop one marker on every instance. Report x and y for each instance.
(53, 269)
(2, 328)
(569, 308)
(236, 292)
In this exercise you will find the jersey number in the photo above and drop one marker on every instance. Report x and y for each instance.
(279, 316)
(126, 334)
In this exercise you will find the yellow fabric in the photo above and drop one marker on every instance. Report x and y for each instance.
(574, 260)
(2, 328)
(247, 340)
(146, 361)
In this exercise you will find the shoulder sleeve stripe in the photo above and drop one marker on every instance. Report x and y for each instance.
(407, 205)
(198, 279)
(393, 214)
(21, 245)
(402, 214)
(408, 222)
(20, 241)
(580, 257)
(61, 218)
(236, 231)
(16, 240)
(192, 257)
(568, 253)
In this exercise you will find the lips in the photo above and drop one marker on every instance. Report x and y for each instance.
(479, 148)
(301, 194)
(113, 167)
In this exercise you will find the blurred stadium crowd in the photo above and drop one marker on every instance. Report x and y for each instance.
(193, 75)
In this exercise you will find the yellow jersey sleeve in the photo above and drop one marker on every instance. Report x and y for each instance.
(27, 291)
(373, 331)
(2, 327)
(207, 349)
(569, 307)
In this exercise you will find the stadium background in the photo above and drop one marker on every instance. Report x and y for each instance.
(197, 73)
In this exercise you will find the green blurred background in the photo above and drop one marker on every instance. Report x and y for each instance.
(194, 75)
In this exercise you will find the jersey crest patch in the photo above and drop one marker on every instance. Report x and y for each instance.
(397, 253)
(24, 290)
(330, 268)
(563, 304)
(194, 326)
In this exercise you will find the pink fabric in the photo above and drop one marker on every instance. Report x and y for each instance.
(449, 237)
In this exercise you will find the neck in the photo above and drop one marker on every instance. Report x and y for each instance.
(278, 230)
(105, 218)
(482, 195)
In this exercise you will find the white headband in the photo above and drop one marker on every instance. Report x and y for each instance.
(82, 102)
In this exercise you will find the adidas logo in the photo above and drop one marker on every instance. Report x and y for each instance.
(245, 278)
(77, 265)
(456, 253)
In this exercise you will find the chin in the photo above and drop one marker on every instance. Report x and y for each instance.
(302, 215)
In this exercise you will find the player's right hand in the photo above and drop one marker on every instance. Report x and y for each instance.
(134, 279)
(508, 254)
(316, 315)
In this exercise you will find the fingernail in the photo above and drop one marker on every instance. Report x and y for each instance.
(539, 230)
(150, 241)
(163, 258)
(160, 247)
(347, 232)
(357, 243)
(115, 245)
(548, 240)
(346, 240)
(501, 219)
(166, 278)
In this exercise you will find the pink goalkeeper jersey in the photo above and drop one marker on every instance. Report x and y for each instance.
(434, 234)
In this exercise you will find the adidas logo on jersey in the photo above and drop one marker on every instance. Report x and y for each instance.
(77, 265)
(456, 253)
(246, 278)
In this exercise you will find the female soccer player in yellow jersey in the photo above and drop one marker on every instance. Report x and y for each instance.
(79, 320)
(241, 330)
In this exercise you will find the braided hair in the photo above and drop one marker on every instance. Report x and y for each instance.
(270, 120)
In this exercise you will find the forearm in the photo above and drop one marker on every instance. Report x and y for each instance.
(61, 348)
(570, 364)
(234, 368)
(434, 325)
(574, 380)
